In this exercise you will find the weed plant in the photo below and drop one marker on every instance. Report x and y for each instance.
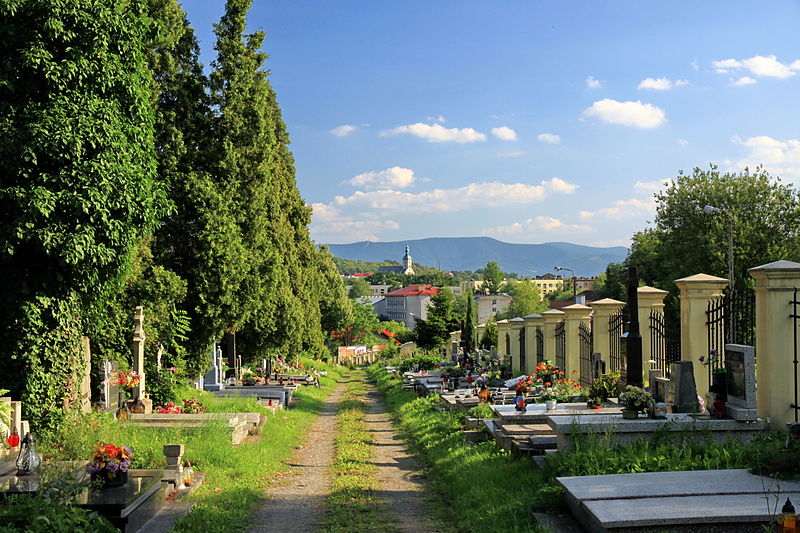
(352, 506)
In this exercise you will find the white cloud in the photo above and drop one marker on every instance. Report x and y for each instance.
(651, 186)
(329, 224)
(344, 130)
(660, 84)
(549, 138)
(539, 224)
(629, 113)
(473, 195)
(780, 158)
(504, 133)
(390, 178)
(511, 154)
(744, 80)
(762, 66)
(437, 133)
(695, 65)
(438, 118)
(683, 143)
(593, 83)
(622, 209)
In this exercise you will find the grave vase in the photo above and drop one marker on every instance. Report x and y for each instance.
(550, 405)
(630, 414)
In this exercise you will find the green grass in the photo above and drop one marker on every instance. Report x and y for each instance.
(484, 489)
(236, 477)
(352, 506)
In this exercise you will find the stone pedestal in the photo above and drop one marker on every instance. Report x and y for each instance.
(696, 292)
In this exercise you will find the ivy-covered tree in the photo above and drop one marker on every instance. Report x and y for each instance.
(77, 187)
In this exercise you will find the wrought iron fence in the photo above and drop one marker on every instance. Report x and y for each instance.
(665, 342)
(539, 345)
(730, 319)
(586, 349)
(561, 345)
(617, 325)
(522, 354)
(795, 316)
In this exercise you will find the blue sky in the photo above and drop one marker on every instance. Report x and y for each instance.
(525, 121)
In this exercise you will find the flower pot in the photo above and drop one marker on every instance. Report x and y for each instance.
(550, 405)
(630, 414)
(106, 481)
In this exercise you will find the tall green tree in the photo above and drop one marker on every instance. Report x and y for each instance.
(526, 299)
(434, 331)
(360, 287)
(492, 278)
(77, 180)
(468, 329)
(765, 218)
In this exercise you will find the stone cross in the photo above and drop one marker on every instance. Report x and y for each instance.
(213, 378)
(138, 351)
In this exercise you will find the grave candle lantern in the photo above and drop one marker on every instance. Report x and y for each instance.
(28, 460)
(13, 440)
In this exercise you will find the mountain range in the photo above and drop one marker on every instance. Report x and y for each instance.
(472, 253)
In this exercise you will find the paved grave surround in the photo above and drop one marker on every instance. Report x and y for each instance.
(537, 412)
(625, 430)
(240, 424)
(690, 501)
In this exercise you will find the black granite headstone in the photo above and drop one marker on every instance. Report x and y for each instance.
(683, 390)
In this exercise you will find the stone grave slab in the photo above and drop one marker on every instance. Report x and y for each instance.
(537, 412)
(740, 362)
(624, 430)
(686, 500)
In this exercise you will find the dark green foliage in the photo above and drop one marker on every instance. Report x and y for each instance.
(36, 514)
(77, 187)
(492, 278)
(420, 361)
(468, 328)
(526, 300)
(489, 337)
(442, 319)
(360, 287)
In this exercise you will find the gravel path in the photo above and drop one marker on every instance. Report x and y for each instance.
(298, 504)
(402, 485)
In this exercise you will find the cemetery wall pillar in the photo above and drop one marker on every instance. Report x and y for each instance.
(480, 331)
(574, 316)
(502, 330)
(532, 324)
(514, 328)
(695, 293)
(650, 299)
(601, 313)
(775, 284)
(551, 318)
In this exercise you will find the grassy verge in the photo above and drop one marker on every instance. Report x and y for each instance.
(491, 491)
(236, 477)
(485, 489)
(352, 506)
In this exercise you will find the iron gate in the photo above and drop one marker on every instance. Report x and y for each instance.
(586, 344)
(561, 345)
(730, 320)
(539, 345)
(795, 316)
(665, 342)
(617, 325)
(522, 354)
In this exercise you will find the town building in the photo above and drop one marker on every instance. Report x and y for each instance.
(407, 304)
(488, 305)
(406, 267)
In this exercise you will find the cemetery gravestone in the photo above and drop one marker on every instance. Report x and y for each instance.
(598, 365)
(138, 352)
(213, 380)
(110, 386)
(683, 390)
(741, 369)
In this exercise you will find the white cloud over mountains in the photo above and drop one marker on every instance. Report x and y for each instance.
(390, 178)
(473, 195)
(634, 114)
(539, 224)
(436, 133)
(504, 133)
(660, 84)
(758, 65)
(622, 209)
(593, 83)
(344, 130)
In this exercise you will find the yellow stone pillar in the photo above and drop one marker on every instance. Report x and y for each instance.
(650, 299)
(550, 319)
(574, 315)
(775, 284)
(480, 331)
(696, 292)
(532, 324)
(515, 325)
(502, 331)
(601, 313)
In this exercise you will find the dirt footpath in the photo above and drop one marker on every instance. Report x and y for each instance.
(299, 503)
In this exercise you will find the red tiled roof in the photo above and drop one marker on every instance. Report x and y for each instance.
(415, 290)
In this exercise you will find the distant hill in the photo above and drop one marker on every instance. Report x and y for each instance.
(472, 253)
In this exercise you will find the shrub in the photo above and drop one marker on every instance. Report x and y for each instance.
(36, 514)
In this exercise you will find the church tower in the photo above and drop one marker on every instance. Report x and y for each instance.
(407, 268)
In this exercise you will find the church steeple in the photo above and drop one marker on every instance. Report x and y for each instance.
(407, 262)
